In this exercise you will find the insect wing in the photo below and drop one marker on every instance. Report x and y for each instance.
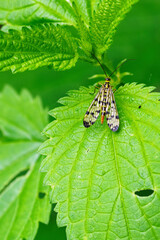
(94, 110)
(112, 113)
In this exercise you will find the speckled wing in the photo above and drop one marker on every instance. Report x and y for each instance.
(94, 109)
(112, 113)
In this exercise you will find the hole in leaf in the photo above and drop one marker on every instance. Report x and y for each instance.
(42, 195)
(140, 106)
(144, 193)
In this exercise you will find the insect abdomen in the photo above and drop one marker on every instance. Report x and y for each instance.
(103, 109)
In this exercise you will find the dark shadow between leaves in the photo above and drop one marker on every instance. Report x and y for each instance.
(42, 195)
(144, 193)
(46, 231)
(20, 174)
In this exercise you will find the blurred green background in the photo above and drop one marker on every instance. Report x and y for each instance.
(138, 37)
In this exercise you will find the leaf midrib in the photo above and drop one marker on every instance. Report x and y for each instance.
(46, 9)
(28, 176)
(19, 8)
(51, 11)
(119, 184)
(90, 181)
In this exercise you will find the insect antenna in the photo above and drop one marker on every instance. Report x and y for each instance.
(124, 61)
(100, 65)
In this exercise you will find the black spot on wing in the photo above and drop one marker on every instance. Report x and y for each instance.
(86, 124)
(93, 115)
(108, 103)
(140, 106)
(115, 128)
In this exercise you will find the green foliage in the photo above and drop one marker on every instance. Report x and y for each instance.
(23, 198)
(94, 173)
(84, 9)
(80, 29)
(22, 12)
(35, 47)
(105, 21)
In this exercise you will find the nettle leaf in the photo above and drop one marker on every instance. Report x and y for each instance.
(84, 8)
(30, 12)
(105, 20)
(85, 31)
(106, 184)
(23, 198)
(38, 46)
(84, 41)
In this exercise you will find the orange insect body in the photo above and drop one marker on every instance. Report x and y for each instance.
(102, 119)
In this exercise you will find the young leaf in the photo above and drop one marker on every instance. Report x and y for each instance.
(30, 12)
(84, 41)
(84, 9)
(41, 45)
(105, 20)
(93, 24)
(106, 183)
(21, 206)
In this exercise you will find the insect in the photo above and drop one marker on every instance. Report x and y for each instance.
(104, 102)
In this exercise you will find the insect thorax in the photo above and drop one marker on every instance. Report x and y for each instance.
(107, 80)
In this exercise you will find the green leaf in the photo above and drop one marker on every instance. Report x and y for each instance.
(105, 20)
(94, 173)
(84, 8)
(41, 45)
(86, 30)
(84, 39)
(21, 206)
(30, 12)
